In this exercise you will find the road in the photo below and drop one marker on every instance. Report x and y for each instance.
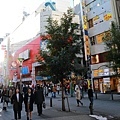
(102, 106)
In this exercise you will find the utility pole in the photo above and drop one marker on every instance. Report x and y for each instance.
(7, 61)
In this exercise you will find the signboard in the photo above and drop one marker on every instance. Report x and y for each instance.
(107, 16)
(43, 45)
(25, 55)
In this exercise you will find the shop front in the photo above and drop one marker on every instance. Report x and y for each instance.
(104, 82)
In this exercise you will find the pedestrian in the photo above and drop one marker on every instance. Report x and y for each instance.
(5, 98)
(78, 96)
(58, 89)
(54, 90)
(90, 94)
(17, 100)
(29, 100)
(39, 99)
(10, 93)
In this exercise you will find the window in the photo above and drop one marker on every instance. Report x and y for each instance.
(93, 40)
(90, 23)
(99, 38)
(102, 57)
(95, 59)
(94, 4)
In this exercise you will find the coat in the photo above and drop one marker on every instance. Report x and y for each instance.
(5, 96)
(17, 106)
(39, 96)
(29, 106)
(78, 95)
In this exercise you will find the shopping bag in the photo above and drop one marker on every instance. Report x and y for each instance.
(44, 105)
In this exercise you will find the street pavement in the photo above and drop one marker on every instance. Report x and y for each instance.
(103, 106)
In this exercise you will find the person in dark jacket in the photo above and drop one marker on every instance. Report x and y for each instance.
(39, 99)
(29, 100)
(17, 100)
(90, 94)
(5, 98)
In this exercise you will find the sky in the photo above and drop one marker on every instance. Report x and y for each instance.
(11, 13)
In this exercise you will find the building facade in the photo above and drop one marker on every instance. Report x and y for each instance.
(99, 14)
(25, 41)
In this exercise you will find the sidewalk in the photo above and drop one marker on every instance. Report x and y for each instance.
(49, 113)
(54, 114)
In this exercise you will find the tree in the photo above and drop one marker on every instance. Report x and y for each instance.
(62, 46)
(112, 42)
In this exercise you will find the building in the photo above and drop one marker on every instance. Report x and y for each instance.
(25, 41)
(97, 18)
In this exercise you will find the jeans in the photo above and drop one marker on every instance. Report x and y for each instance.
(91, 100)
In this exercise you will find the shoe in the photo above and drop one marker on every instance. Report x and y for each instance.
(77, 105)
(39, 114)
(27, 118)
(82, 104)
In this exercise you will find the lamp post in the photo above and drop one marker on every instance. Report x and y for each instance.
(20, 65)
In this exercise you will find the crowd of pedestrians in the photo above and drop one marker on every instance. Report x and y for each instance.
(29, 97)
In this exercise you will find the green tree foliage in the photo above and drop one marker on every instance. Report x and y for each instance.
(63, 45)
(112, 42)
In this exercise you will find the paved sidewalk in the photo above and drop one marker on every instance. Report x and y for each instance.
(49, 113)
(54, 114)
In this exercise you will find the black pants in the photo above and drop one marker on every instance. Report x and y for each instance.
(39, 108)
(78, 101)
(17, 113)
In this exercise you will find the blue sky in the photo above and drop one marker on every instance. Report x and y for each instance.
(11, 13)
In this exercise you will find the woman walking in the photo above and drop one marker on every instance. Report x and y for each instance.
(17, 100)
(78, 96)
(29, 100)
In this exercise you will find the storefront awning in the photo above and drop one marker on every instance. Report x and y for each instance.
(42, 78)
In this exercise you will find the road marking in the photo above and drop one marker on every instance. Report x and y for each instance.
(99, 117)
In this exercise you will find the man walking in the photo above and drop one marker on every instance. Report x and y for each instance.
(90, 96)
(17, 100)
(39, 98)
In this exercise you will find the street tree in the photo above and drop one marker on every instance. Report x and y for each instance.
(63, 45)
(112, 42)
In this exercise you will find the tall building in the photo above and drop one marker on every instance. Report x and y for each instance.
(97, 18)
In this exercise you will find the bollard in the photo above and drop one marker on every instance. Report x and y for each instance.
(91, 108)
(51, 102)
(111, 95)
(96, 95)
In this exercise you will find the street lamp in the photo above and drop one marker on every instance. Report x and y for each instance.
(20, 65)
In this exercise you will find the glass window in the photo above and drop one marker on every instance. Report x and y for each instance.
(90, 23)
(99, 38)
(93, 40)
(95, 59)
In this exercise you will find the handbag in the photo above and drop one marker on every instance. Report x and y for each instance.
(44, 105)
